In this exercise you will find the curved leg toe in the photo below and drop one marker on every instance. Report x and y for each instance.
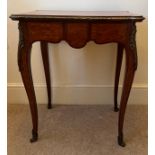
(121, 141)
(49, 106)
(116, 109)
(34, 137)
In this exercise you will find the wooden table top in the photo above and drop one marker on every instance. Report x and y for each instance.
(81, 15)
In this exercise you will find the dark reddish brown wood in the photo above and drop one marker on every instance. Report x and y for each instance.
(129, 75)
(24, 57)
(109, 32)
(45, 31)
(78, 15)
(77, 28)
(76, 34)
(45, 58)
(131, 66)
(117, 74)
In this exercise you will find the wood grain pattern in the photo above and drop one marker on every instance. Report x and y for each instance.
(76, 34)
(45, 31)
(109, 32)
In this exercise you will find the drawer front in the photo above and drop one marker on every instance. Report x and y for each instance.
(109, 32)
(48, 31)
(77, 34)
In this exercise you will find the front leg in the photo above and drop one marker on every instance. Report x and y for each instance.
(131, 66)
(24, 58)
(129, 75)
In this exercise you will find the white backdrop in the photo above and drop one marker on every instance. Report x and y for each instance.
(82, 76)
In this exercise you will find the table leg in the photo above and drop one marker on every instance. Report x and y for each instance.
(131, 65)
(117, 74)
(24, 56)
(45, 58)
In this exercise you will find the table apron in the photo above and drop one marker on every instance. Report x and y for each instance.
(77, 34)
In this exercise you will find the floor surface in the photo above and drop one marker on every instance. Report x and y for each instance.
(77, 130)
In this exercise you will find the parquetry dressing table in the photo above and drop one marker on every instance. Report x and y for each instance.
(77, 28)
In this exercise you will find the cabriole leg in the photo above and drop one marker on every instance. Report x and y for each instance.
(24, 58)
(131, 65)
(45, 58)
(117, 74)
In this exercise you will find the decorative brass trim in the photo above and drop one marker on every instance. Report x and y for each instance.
(20, 44)
(21, 36)
(132, 42)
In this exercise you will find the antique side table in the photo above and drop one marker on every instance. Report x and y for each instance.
(77, 28)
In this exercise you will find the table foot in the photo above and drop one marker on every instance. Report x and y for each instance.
(34, 137)
(49, 106)
(116, 109)
(121, 141)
